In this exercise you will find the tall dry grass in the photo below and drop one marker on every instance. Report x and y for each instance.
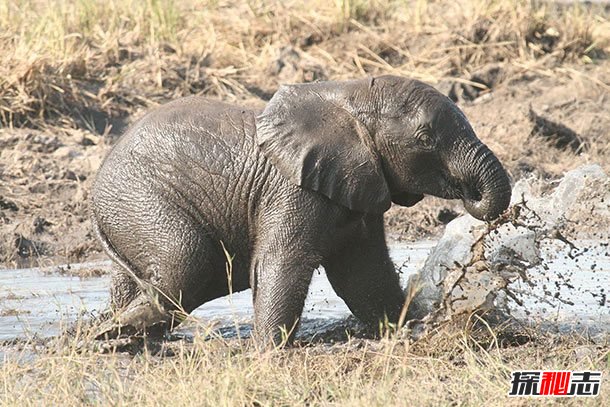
(66, 63)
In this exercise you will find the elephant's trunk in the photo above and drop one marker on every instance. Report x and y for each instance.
(486, 189)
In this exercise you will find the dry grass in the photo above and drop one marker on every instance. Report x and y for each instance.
(66, 62)
(455, 366)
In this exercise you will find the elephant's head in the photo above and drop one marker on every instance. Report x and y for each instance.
(365, 143)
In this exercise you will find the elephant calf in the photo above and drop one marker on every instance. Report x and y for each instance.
(301, 184)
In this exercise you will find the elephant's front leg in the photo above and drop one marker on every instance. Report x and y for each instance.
(363, 275)
(280, 280)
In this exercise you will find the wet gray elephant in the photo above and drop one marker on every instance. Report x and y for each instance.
(301, 184)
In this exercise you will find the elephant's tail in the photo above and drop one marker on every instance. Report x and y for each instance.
(116, 257)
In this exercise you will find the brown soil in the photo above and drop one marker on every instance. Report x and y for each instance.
(542, 114)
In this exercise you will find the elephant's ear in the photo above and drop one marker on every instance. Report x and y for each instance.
(317, 144)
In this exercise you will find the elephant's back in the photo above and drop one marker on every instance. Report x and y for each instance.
(193, 126)
(189, 137)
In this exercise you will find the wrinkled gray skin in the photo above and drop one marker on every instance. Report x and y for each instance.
(304, 183)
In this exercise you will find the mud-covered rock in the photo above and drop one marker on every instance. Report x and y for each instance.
(453, 248)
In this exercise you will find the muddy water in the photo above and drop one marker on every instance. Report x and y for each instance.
(41, 302)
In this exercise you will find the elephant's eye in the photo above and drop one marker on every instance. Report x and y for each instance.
(425, 138)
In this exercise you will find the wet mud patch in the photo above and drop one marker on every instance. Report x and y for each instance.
(312, 332)
(478, 85)
(44, 183)
(61, 297)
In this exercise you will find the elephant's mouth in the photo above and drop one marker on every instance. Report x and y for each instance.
(406, 198)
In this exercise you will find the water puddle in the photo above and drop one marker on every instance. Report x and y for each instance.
(41, 302)
(568, 292)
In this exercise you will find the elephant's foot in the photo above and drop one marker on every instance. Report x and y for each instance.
(142, 315)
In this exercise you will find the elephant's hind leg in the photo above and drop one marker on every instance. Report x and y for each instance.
(143, 314)
(136, 306)
(123, 288)
(171, 271)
